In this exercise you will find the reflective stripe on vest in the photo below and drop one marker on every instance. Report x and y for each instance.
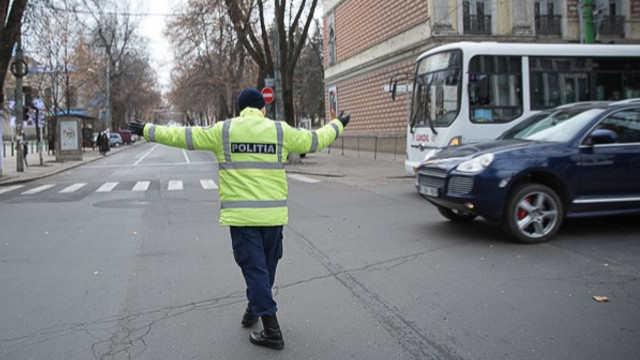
(253, 204)
(189, 138)
(152, 133)
(314, 142)
(336, 128)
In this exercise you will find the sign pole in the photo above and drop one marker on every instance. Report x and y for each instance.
(19, 72)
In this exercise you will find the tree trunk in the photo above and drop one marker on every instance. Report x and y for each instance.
(9, 32)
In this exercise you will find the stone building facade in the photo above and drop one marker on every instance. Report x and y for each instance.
(368, 41)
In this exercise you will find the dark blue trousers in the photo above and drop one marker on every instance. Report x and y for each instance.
(257, 251)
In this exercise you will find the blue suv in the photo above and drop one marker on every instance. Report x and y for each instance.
(576, 160)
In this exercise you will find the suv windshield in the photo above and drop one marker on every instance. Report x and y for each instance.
(557, 126)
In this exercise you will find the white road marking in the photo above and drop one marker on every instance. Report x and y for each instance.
(38, 189)
(175, 185)
(303, 178)
(145, 155)
(72, 188)
(141, 186)
(106, 187)
(208, 184)
(186, 158)
(10, 188)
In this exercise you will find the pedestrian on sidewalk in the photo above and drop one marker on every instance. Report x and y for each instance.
(52, 145)
(103, 143)
(25, 149)
(251, 152)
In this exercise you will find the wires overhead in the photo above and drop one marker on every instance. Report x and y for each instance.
(80, 11)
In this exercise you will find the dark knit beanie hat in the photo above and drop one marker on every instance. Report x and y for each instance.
(250, 98)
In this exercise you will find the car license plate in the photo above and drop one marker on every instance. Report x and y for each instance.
(429, 190)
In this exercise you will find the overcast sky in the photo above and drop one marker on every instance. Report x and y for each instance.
(152, 27)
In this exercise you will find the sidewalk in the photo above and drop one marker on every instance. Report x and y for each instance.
(353, 167)
(349, 166)
(49, 165)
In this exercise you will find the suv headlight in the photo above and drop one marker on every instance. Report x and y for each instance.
(477, 164)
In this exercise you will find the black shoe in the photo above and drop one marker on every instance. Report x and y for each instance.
(248, 319)
(271, 336)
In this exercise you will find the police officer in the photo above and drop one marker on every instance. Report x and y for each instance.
(251, 151)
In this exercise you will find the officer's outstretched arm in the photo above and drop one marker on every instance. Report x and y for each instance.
(304, 141)
(192, 138)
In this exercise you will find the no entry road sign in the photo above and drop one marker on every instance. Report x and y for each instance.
(268, 94)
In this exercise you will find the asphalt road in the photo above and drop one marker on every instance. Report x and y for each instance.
(132, 265)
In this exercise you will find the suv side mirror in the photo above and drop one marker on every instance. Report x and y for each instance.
(603, 136)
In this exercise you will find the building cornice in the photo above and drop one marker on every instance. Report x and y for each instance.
(329, 5)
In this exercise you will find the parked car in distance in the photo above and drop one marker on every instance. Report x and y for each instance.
(115, 140)
(576, 160)
(126, 136)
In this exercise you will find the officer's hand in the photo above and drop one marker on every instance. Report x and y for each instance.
(137, 128)
(344, 119)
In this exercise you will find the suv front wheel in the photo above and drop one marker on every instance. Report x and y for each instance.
(533, 214)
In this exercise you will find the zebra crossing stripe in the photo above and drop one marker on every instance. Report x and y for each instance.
(72, 188)
(304, 178)
(10, 188)
(106, 187)
(38, 189)
(141, 186)
(208, 184)
(174, 185)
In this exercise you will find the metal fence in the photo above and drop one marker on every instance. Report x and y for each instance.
(9, 148)
(387, 147)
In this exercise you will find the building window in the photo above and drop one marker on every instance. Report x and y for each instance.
(547, 17)
(474, 17)
(609, 18)
(331, 38)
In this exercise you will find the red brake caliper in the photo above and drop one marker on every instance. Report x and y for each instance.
(522, 213)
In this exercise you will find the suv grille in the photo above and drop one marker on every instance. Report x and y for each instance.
(432, 177)
(460, 184)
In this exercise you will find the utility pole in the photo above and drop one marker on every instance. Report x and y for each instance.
(19, 107)
(278, 76)
(108, 89)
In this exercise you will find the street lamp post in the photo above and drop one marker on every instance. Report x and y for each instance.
(19, 105)
(108, 89)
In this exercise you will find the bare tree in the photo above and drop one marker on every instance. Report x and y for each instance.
(291, 39)
(53, 39)
(11, 13)
(137, 88)
(114, 31)
(308, 82)
(212, 66)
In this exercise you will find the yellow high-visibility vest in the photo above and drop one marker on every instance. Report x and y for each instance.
(251, 151)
